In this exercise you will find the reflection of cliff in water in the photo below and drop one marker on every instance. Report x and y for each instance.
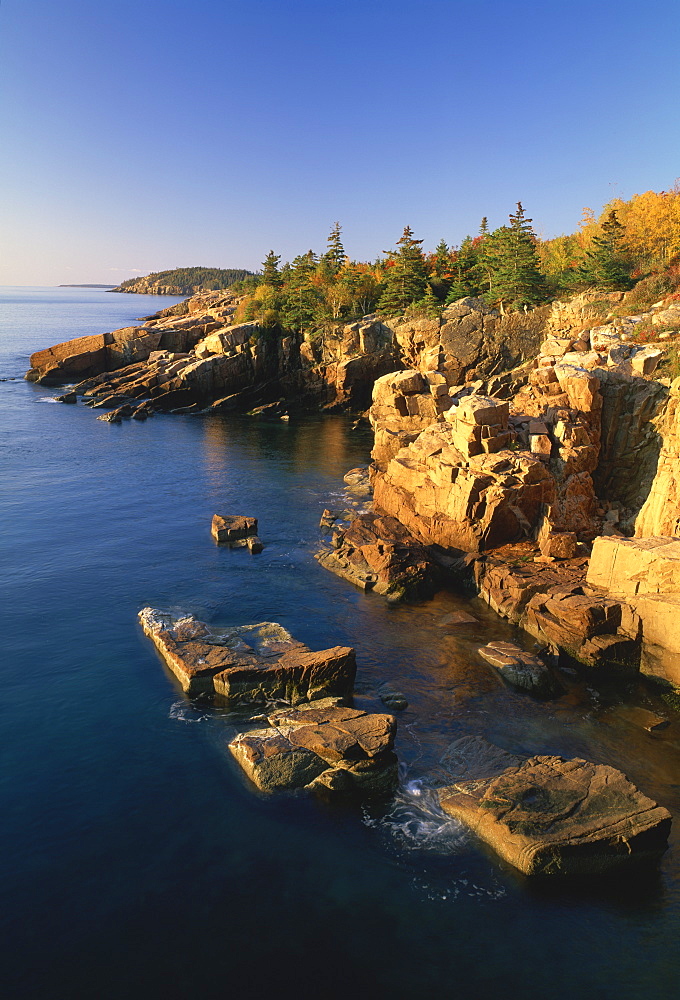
(317, 443)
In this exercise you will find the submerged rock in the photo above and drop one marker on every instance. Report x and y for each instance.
(552, 816)
(392, 698)
(248, 663)
(519, 668)
(320, 746)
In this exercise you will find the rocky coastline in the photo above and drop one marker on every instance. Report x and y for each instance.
(529, 458)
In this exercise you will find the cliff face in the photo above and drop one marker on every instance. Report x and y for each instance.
(205, 357)
(194, 355)
(660, 513)
(579, 446)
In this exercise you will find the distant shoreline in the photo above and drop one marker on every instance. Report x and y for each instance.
(86, 286)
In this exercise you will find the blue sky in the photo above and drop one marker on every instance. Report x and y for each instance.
(142, 136)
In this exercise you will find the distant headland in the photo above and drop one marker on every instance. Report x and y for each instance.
(86, 286)
(183, 281)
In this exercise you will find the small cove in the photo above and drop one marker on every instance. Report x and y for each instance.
(136, 861)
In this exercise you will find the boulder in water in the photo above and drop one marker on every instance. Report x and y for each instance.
(551, 816)
(520, 669)
(320, 746)
(248, 664)
(230, 529)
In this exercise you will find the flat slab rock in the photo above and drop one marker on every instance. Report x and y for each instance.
(320, 746)
(551, 816)
(520, 669)
(248, 664)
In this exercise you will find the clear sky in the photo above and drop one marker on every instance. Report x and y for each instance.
(140, 136)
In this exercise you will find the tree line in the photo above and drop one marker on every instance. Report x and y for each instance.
(509, 267)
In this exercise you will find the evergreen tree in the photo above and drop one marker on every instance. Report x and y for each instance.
(270, 270)
(405, 274)
(441, 271)
(467, 273)
(484, 227)
(335, 255)
(441, 260)
(605, 265)
(513, 264)
(301, 297)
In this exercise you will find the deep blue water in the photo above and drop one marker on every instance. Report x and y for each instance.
(135, 862)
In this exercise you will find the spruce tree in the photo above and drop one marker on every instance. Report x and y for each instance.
(301, 297)
(441, 271)
(405, 274)
(510, 256)
(467, 273)
(605, 265)
(270, 270)
(335, 255)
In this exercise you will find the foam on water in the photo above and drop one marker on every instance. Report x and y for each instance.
(184, 711)
(417, 822)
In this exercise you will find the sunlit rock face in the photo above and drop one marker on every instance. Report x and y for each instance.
(321, 746)
(551, 816)
(248, 664)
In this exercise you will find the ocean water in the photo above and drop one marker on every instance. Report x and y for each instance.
(135, 862)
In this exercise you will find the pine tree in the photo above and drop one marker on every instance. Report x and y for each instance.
(510, 256)
(270, 270)
(405, 274)
(605, 265)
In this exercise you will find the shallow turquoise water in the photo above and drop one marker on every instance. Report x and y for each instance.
(135, 861)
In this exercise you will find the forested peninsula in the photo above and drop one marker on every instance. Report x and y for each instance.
(183, 281)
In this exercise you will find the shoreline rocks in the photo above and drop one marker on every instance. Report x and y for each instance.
(377, 553)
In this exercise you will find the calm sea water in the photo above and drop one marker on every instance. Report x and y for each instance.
(135, 861)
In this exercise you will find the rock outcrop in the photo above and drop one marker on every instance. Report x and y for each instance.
(248, 664)
(378, 553)
(321, 746)
(660, 513)
(553, 602)
(551, 816)
(487, 471)
(642, 575)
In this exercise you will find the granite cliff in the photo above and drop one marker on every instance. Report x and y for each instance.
(522, 477)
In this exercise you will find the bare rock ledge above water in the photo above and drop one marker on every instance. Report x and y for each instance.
(248, 664)
(321, 746)
(551, 816)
